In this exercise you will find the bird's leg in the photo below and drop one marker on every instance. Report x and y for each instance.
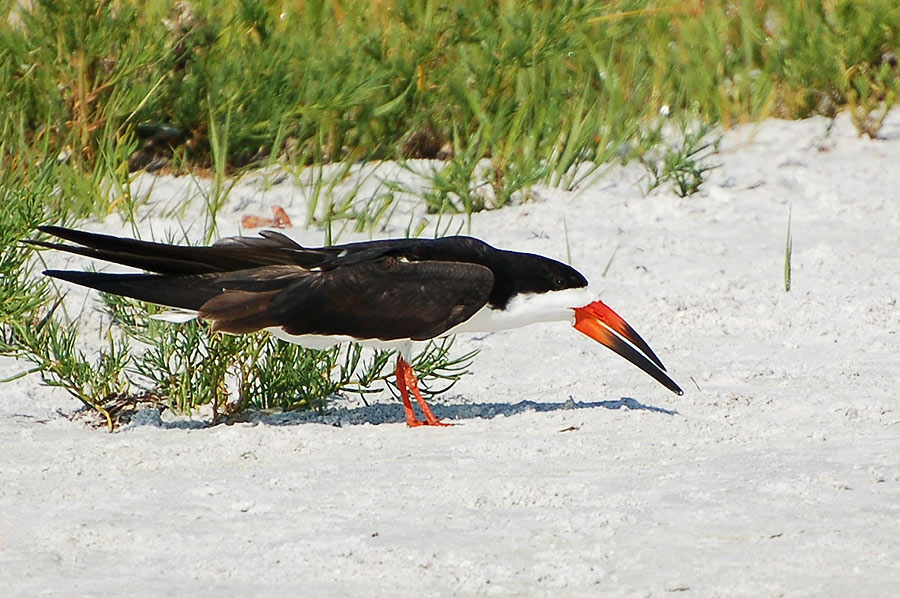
(406, 378)
(411, 419)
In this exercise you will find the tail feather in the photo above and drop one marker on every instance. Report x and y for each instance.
(237, 301)
(145, 261)
(183, 292)
(272, 249)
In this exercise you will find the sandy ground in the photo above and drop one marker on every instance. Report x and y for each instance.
(569, 472)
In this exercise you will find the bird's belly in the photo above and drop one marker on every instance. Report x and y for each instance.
(321, 341)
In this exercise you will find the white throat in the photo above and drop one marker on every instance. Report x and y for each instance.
(525, 309)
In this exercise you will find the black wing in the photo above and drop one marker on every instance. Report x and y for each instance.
(269, 249)
(385, 299)
(248, 284)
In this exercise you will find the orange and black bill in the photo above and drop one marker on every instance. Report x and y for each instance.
(608, 328)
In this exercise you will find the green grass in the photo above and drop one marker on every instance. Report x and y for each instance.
(788, 250)
(510, 94)
(685, 163)
(535, 90)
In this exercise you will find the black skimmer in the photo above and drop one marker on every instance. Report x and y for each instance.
(386, 293)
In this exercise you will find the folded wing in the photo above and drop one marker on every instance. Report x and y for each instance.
(247, 286)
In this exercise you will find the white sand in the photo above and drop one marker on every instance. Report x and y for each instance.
(776, 474)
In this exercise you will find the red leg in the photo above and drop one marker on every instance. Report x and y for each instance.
(411, 419)
(406, 378)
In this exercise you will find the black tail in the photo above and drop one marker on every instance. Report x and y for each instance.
(185, 292)
(187, 277)
(226, 256)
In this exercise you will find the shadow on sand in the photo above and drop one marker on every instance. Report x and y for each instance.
(390, 413)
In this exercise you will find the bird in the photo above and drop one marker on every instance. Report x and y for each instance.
(386, 293)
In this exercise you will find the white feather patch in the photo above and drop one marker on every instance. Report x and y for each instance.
(320, 341)
(176, 316)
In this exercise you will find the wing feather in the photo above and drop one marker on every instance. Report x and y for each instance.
(385, 299)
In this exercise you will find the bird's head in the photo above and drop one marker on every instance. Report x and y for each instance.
(534, 288)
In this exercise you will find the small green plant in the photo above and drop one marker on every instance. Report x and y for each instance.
(435, 365)
(456, 186)
(21, 210)
(684, 164)
(788, 248)
(221, 183)
(871, 93)
(51, 345)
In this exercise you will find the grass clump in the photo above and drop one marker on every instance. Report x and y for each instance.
(535, 90)
(684, 163)
(51, 346)
(22, 209)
